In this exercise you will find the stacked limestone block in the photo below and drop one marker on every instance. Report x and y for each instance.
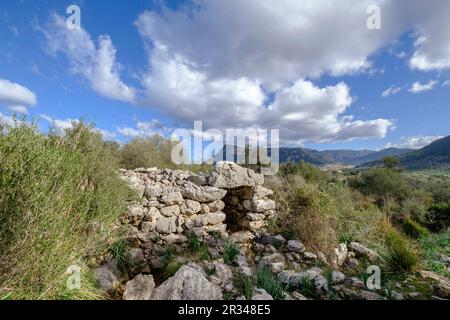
(173, 204)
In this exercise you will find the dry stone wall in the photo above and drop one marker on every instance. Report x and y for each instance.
(172, 205)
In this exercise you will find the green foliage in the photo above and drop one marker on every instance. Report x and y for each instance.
(308, 171)
(154, 151)
(230, 251)
(59, 196)
(345, 238)
(267, 281)
(391, 162)
(438, 217)
(307, 287)
(194, 242)
(434, 246)
(413, 229)
(121, 252)
(383, 183)
(401, 258)
(245, 285)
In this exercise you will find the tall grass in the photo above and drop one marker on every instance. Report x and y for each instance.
(401, 257)
(59, 196)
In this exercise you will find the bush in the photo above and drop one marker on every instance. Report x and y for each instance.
(438, 217)
(59, 196)
(267, 281)
(383, 183)
(401, 258)
(230, 252)
(147, 152)
(413, 229)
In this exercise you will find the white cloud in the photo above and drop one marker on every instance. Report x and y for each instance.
(16, 97)
(446, 83)
(414, 142)
(95, 63)
(391, 91)
(145, 129)
(418, 87)
(432, 46)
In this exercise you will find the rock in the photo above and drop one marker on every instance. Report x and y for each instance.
(337, 277)
(262, 192)
(172, 198)
(135, 183)
(277, 267)
(255, 216)
(217, 205)
(140, 288)
(166, 225)
(228, 175)
(441, 285)
(170, 211)
(396, 296)
(309, 256)
(190, 207)
(260, 205)
(363, 251)
(289, 277)
(353, 263)
(213, 218)
(266, 261)
(321, 284)
(242, 236)
(415, 296)
(340, 255)
(223, 273)
(202, 193)
(106, 278)
(298, 296)
(276, 241)
(240, 260)
(153, 191)
(357, 283)
(261, 294)
(270, 249)
(198, 179)
(188, 283)
(295, 246)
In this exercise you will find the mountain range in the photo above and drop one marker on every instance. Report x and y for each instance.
(434, 155)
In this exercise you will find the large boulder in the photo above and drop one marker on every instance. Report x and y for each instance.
(140, 288)
(361, 250)
(202, 193)
(229, 175)
(188, 283)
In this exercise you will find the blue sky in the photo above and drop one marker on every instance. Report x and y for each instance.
(143, 67)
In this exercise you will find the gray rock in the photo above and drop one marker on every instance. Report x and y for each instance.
(153, 191)
(106, 278)
(217, 205)
(337, 277)
(259, 205)
(269, 260)
(190, 207)
(340, 255)
(172, 198)
(228, 175)
(277, 240)
(169, 211)
(261, 294)
(363, 251)
(140, 288)
(309, 256)
(166, 225)
(188, 283)
(202, 193)
(242, 236)
(295, 246)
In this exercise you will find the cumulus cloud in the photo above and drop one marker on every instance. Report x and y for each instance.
(16, 97)
(145, 129)
(391, 91)
(418, 87)
(96, 63)
(6, 119)
(414, 142)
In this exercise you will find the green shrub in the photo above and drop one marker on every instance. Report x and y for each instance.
(230, 252)
(434, 246)
(413, 229)
(245, 285)
(401, 258)
(438, 217)
(194, 242)
(121, 252)
(59, 196)
(267, 281)
(307, 287)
